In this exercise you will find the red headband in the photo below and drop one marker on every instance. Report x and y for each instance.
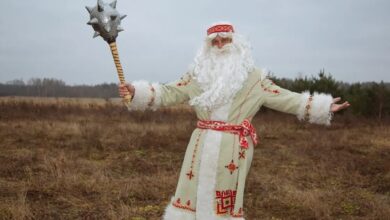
(220, 28)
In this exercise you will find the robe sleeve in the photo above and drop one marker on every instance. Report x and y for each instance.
(313, 108)
(154, 95)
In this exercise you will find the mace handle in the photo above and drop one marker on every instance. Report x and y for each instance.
(115, 55)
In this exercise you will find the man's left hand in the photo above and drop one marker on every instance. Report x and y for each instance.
(337, 107)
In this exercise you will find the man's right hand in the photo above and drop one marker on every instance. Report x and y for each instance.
(126, 89)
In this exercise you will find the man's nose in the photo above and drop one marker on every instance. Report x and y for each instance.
(219, 45)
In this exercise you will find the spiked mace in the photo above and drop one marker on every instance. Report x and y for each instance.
(106, 20)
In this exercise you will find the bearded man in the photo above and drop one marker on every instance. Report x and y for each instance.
(226, 90)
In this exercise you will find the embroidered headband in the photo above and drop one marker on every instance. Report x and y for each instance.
(220, 28)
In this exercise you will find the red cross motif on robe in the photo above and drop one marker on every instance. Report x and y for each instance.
(241, 154)
(190, 174)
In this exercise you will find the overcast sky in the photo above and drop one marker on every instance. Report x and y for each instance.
(46, 38)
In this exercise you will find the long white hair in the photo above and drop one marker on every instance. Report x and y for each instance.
(221, 72)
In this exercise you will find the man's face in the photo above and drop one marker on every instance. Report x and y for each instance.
(220, 41)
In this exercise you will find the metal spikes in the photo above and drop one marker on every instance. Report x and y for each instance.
(105, 20)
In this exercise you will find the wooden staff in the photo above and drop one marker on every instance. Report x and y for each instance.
(115, 55)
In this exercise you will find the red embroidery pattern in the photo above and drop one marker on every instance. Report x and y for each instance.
(186, 206)
(275, 91)
(184, 82)
(231, 167)
(225, 201)
(243, 130)
(190, 173)
(241, 155)
(220, 28)
(308, 107)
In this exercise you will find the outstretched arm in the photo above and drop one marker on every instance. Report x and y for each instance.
(147, 95)
(317, 108)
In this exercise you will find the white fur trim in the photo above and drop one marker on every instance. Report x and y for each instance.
(207, 175)
(173, 213)
(302, 106)
(221, 34)
(143, 95)
(208, 168)
(157, 100)
(319, 112)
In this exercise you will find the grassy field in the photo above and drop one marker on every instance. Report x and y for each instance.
(92, 159)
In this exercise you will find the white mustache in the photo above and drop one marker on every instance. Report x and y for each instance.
(224, 50)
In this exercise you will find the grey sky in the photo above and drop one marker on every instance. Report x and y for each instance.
(43, 38)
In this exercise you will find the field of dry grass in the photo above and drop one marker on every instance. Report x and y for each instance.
(92, 159)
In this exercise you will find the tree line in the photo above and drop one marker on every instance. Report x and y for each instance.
(370, 99)
(48, 87)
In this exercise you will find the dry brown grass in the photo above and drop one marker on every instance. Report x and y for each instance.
(92, 159)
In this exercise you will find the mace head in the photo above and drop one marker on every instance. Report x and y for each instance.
(105, 20)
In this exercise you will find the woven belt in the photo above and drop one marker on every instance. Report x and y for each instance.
(243, 130)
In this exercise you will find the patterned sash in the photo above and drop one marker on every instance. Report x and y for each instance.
(243, 130)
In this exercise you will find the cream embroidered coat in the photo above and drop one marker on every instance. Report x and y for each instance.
(212, 178)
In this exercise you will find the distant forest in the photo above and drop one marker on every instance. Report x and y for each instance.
(370, 99)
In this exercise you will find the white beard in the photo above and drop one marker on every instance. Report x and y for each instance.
(221, 74)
